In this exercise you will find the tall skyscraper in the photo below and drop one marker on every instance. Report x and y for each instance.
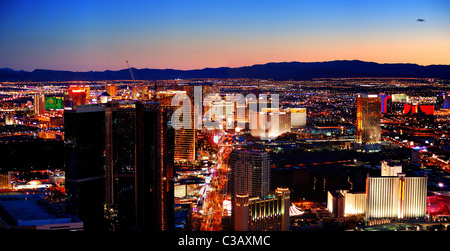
(250, 177)
(120, 120)
(250, 172)
(84, 162)
(139, 164)
(185, 137)
(39, 103)
(154, 168)
(368, 123)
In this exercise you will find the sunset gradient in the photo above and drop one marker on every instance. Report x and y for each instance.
(101, 35)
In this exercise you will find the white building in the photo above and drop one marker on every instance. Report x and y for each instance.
(389, 168)
(396, 197)
(298, 117)
(343, 203)
(269, 125)
(386, 197)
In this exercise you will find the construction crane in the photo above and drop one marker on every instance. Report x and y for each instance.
(131, 72)
(132, 76)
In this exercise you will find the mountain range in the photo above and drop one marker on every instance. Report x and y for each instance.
(276, 71)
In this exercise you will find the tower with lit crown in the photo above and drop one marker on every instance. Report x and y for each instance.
(368, 123)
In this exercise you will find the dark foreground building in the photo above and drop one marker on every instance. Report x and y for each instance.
(139, 165)
(119, 166)
(84, 146)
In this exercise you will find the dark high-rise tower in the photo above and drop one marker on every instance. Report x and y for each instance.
(120, 120)
(84, 142)
(139, 164)
(154, 168)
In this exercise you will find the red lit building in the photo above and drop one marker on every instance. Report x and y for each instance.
(415, 108)
(77, 95)
(438, 203)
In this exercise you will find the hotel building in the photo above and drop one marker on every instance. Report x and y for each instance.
(368, 123)
(250, 172)
(268, 213)
(39, 103)
(390, 196)
(250, 178)
(343, 203)
(396, 197)
(264, 125)
(390, 168)
(298, 117)
(84, 160)
(139, 164)
(185, 137)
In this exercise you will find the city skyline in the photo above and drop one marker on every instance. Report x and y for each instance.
(83, 155)
(86, 35)
(186, 116)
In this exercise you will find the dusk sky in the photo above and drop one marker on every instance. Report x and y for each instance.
(101, 35)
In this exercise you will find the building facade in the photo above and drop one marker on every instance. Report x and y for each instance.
(368, 123)
(139, 164)
(390, 168)
(39, 103)
(343, 203)
(396, 197)
(269, 125)
(269, 213)
(84, 160)
(250, 172)
(298, 117)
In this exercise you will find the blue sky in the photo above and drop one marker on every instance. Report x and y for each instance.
(101, 35)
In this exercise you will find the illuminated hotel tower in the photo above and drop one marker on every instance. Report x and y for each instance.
(398, 196)
(368, 120)
(185, 137)
(111, 89)
(39, 103)
(139, 164)
(250, 172)
(268, 213)
(250, 177)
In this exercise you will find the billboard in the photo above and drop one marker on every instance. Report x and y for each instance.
(54, 103)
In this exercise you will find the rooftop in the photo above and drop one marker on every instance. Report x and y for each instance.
(30, 210)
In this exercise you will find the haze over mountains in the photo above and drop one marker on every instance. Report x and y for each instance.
(276, 71)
